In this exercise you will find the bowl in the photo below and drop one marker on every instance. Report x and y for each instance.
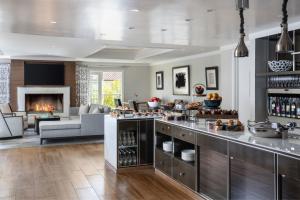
(154, 104)
(280, 66)
(168, 146)
(188, 155)
(212, 103)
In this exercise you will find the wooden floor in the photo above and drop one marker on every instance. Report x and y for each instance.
(75, 172)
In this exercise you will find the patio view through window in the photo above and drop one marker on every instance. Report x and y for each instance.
(105, 87)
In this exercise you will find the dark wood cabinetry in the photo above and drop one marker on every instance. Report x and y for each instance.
(184, 173)
(288, 178)
(213, 167)
(252, 174)
(226, 169)
(163, 162)
(146, 142)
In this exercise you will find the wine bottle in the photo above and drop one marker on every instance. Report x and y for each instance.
(298, 109)
(282, 107)
(278, 106)
(293, 108)
(288, 107)
(273, 106)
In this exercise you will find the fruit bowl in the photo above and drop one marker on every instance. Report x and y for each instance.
(154, 104)
(280, 66)
(212, 103)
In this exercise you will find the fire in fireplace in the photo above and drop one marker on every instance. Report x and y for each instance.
(35, 103)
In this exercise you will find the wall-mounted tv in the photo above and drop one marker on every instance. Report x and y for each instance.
(44, 74)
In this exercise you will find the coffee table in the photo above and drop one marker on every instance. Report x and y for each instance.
(37, 121)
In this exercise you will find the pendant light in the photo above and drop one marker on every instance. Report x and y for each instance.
(284, 44)
(241, 50)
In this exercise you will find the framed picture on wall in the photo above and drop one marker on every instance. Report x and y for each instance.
(181, 80)
(160, 80)
(212, 78)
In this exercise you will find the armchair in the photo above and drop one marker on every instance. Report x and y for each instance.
(7, 111)
(11, 126)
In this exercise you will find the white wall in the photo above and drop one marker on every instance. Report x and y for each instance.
(197, 70)
(135, 79)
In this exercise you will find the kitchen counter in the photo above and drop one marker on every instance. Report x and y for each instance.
(290, 146)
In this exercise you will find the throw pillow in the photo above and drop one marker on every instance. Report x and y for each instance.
(106, 109)
(83, 109)
(96, 111)
(93, 107)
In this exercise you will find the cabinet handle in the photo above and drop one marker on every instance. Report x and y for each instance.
(231, 157)
(169, 127)
(182, 135)
(181, 174)
(283, 175)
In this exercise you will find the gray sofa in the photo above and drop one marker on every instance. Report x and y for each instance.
(87, 124)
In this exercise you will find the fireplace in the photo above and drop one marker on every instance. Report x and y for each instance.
(37, 100)
(35, 103)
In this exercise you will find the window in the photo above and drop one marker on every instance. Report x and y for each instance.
(105, 87)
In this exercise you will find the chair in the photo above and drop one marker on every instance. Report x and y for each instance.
(7, 111)
(11, 126)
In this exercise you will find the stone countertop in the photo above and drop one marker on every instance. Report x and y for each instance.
(134, 117)
(290, 146)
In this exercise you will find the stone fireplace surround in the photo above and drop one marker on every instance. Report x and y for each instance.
(65, 90)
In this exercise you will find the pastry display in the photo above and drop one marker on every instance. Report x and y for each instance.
(193, 106)
(230, 125)
(217, 114)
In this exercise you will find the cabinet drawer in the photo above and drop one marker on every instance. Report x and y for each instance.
(252, 155)
(163, 128)
(212, 143)
(163, 162)
(184, 173)
(289, 167)
(184, 134)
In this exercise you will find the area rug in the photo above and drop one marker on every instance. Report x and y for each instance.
(31, 139)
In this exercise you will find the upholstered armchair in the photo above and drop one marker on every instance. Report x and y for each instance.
(11, 126)
(7, 111)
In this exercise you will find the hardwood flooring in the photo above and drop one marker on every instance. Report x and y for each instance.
(75, 172)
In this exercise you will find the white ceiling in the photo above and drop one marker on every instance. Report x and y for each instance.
(112, 30)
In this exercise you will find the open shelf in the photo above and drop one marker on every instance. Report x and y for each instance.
(279, 73)
(190, 163)
(283, 91)
(127, 146)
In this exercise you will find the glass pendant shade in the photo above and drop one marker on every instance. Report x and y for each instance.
(284, 44)
(241, 50)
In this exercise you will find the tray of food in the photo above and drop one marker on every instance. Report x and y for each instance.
(217, 114)
(230, 125)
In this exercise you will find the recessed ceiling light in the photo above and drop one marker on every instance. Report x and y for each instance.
(131, 27)
(53, 22)
(210, 10)
(163, 29)
(188, 20)
(134, 10)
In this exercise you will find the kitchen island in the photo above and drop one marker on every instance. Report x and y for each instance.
(228, 165)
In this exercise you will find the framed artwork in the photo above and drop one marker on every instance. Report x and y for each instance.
(212, 78)
(160, 80)
(181, 80)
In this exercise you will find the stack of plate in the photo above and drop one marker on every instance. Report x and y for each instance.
(168, 146)
(188, 155)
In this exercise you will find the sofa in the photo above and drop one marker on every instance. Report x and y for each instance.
(80, 124)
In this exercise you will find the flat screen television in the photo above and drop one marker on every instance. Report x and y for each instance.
(44, 74)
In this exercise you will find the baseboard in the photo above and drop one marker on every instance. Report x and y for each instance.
(12, 137)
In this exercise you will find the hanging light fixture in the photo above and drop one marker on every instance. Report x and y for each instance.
(284, 44)
(241, 50)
